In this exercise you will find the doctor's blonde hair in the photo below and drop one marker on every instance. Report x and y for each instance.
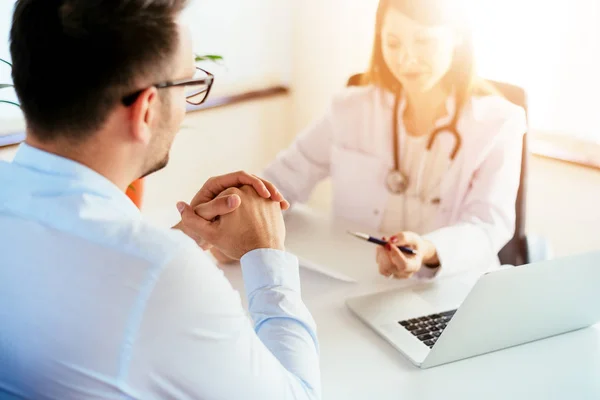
(461, 77)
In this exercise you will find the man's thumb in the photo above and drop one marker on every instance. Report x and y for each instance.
(181, 207)
(185, 210)
(220, 206)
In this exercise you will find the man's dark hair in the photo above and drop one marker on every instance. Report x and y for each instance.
(73, 60)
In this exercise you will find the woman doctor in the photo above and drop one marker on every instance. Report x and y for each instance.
(423, 150)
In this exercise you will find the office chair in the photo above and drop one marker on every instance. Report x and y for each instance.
(522, 248)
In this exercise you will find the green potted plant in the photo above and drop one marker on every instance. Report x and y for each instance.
(209, 57)
(135, 190)
(7, 85)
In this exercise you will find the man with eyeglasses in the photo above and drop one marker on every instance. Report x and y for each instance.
(94, 301)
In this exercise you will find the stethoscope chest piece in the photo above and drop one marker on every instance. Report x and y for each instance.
(397, 182)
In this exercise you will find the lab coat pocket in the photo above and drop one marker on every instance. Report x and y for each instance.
(358, 186)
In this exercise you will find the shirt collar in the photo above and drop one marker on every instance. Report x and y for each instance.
(51, 164)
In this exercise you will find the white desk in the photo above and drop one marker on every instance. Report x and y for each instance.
(357, 364)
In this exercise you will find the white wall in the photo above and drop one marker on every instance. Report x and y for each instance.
(331, 40)
(253, 37)
(563, 205)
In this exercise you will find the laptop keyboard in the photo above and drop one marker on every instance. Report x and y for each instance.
(429, 328)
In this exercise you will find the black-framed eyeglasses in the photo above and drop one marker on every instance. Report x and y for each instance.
(197, 88)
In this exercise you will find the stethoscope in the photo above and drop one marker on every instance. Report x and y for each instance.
(397, 181)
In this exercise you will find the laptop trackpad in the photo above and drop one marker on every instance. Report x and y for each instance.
(443, 296)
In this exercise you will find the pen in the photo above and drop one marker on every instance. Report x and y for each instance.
(364, 236)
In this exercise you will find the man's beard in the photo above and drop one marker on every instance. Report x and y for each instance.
(157, 166)
(160, 139)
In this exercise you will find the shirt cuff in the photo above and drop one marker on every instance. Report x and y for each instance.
(427, 273)
(437, 238)
(263, 268)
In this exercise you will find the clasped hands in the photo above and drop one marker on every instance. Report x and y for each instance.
(258, 223)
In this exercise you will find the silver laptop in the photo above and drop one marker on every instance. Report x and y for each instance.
(506, 307)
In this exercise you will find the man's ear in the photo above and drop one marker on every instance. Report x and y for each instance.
(142, 114)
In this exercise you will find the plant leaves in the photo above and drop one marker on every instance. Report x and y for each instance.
(10, 102)
(209, 57)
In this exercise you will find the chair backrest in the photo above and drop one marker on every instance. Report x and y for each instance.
(515, 251)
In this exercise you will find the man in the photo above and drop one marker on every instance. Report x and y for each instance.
(94, 301)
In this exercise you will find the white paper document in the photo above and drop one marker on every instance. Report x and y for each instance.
(323, 245)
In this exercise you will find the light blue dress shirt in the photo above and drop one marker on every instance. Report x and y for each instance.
(96, 303)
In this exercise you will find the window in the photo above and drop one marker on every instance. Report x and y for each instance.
(552, 49)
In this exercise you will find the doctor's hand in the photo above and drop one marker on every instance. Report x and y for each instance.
(257, 223)
(393, 262)
(206, 204)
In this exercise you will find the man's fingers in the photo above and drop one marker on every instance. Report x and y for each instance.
(285, 205)
(275, 194)
(258, 184)
(214, 186)
(194, 225)
(220, 206)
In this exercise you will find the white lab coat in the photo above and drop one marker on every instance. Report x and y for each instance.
(352, 144)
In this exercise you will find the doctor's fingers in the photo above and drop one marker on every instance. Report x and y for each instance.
(386, 267)
(399, 260)
(409, 239)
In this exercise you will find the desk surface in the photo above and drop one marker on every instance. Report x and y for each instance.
(357, 364)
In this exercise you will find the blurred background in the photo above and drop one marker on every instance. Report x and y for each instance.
(284, 60)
